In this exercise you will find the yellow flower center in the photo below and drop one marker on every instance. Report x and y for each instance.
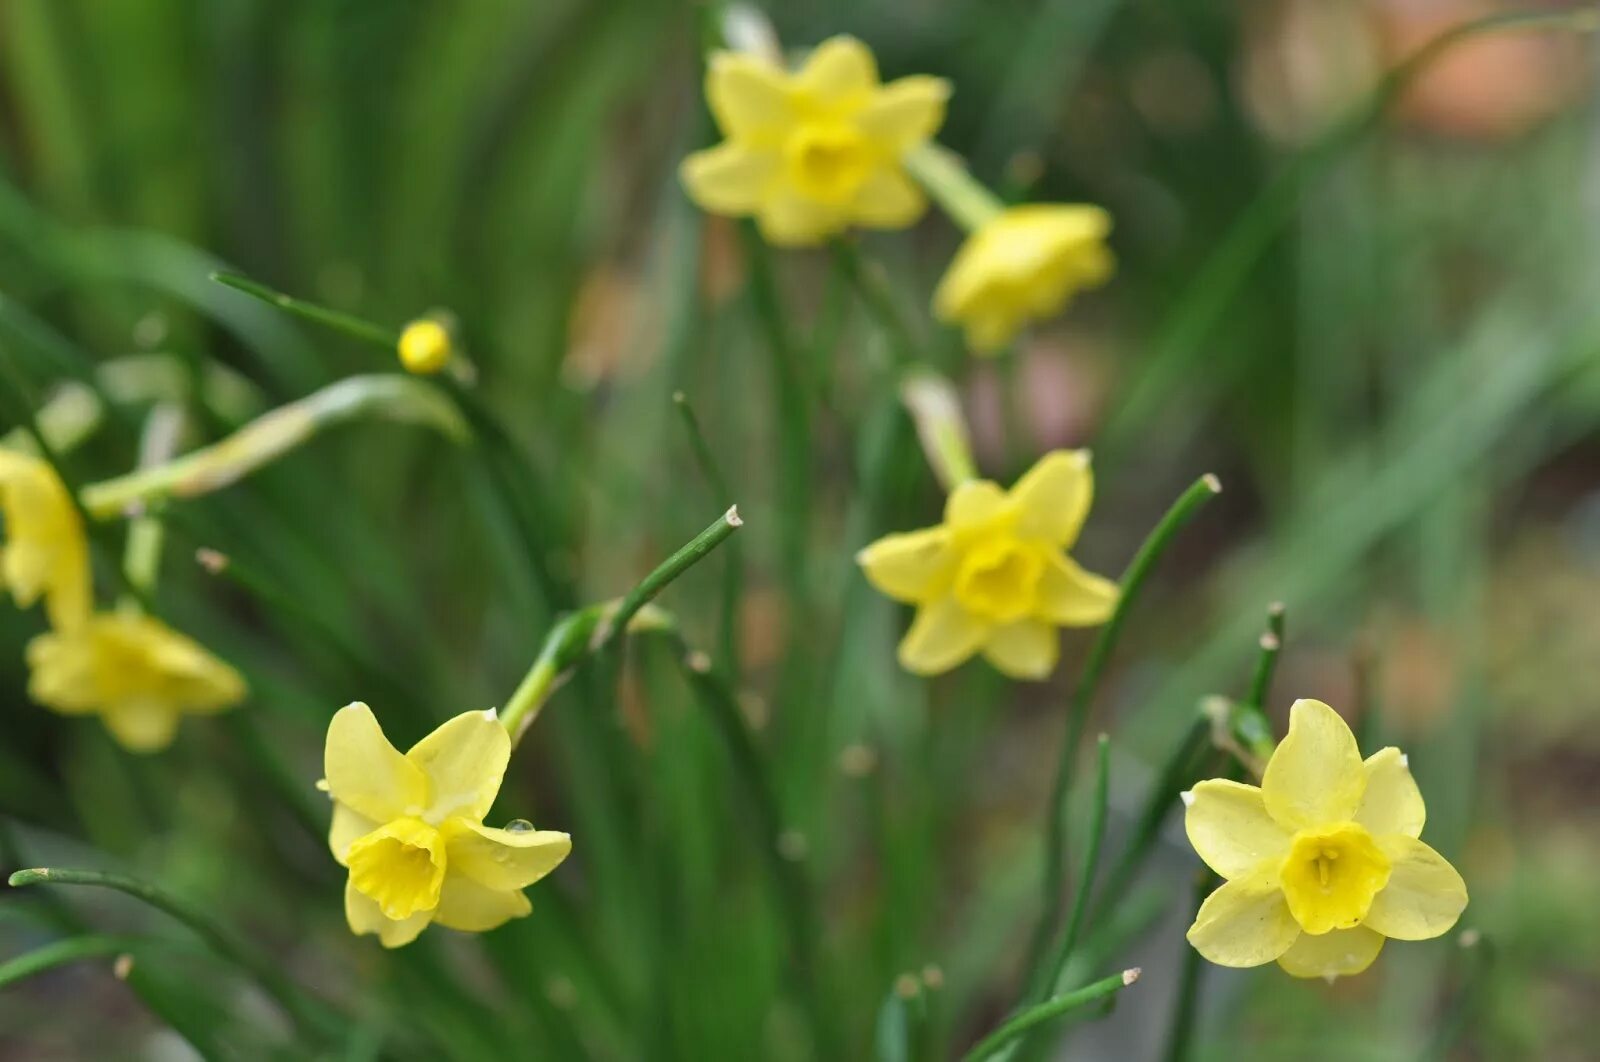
(999, 580)
(828, 162)
(1331, 875)
(399, 867)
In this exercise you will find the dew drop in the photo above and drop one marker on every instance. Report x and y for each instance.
(519, 826)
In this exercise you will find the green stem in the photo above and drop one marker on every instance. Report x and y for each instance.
(61, 952)
(1182, 511)
(711, 469)
(946, 178)
(141, 558)
(1173, 778)
(270, 976)
(349, 324)
(936, 411)
(1091, 861)
(867, 278)
(275, 433)
(1052, 1008)
(563, 648)
(1267, 662)
(1188, 998)
(668, 570)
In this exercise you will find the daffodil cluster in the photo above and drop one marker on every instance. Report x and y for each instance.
(133, 671)
(409, 827)
(1323, 861)
(995, 577)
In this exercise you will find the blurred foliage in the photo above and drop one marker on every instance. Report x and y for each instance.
(1390, 360)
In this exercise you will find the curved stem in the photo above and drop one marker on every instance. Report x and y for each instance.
(1050, 1009)
(61, 952)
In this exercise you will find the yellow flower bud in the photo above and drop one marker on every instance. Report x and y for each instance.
(425, 346)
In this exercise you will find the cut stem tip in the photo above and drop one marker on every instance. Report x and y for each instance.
(1211, 481)
(213, 561)
(1130, 976)
(732, 517)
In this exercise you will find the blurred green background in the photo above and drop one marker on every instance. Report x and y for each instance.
(1372, 313)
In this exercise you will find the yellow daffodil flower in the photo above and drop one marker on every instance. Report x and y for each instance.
(1021, 265)
(810, 153)
(425, 346)
(1322, 861)
(45, 552)
(995, 577)
(136, 673)
(410, 828)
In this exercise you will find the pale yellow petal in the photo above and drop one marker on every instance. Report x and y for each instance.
(1392, 802)
(1246, 922)
(942, 635)
(1054, 496)
(888, 200)
(473, 908)
(748, 97)
(504, 859)
(348, 827)
(975, 502)
(464, 761)
(788, 219)
(1024, 649)
(962, 284)
(141, 725)
(728, 179)
(905, 112)
(366, 772)
(1424, 896)
(1072, 597)
(839, 72)
(1230, 829)
(1337, 953)
(913, 566)
(364, 917)
(1316, 775)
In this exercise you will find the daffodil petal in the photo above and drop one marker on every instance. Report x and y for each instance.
(366, 772)
(728, 179)
(1072, 597)
(1424, 897)
(504, 859)
(1024, 649)
(942, 635)
(466, 905)
(1054, 496)
(464, 761)
(1228, 824)
(348, 827)
(1337, 953)
(1392, 802)
(748, 97)
(975, 502)
(888, 200)
(912, 566)
(142, 725)
(1245, 922)
(838, 70)
(1316, 775)
(788, 219)
(906, 111)
(365, 917)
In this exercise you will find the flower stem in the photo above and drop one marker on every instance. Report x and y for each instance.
(945, 177)
(1267, 662)
(1049, 1009)
(936, 411)
(1182, 511)
(685, 558)
(711, 469)
(1188, 997)
(349, 324)
(1091, 861)
(312, 1018)
(61, 952)
(141, 558)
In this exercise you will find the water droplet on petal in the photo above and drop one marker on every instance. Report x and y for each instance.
(519, 826)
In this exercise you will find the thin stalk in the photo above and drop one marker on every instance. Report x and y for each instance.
(1188, 998)
(311, 1018)
(1183, 510)
(349, 324)
(141, 557)
(1172, 779)
(733, 573)
(61, 952)
(945, 177)
(1052, 1008)
(685, 558)
(866, 277)
(936, 411)
(563, 648)
(1091, 860)
(1267, 662)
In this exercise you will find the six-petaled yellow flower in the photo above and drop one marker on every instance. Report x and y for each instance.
(1022, 265)
(1323, 860)
(140, 676)
(809, 154)
(995, 576)
(410, 828)
(45, 552)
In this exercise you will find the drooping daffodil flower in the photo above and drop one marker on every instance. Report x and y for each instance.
(45, 554)
(410, 828)
(995, 577)
(811, 153)
(1323, 860)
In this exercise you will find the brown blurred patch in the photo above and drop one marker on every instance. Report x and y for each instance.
(608, 316)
